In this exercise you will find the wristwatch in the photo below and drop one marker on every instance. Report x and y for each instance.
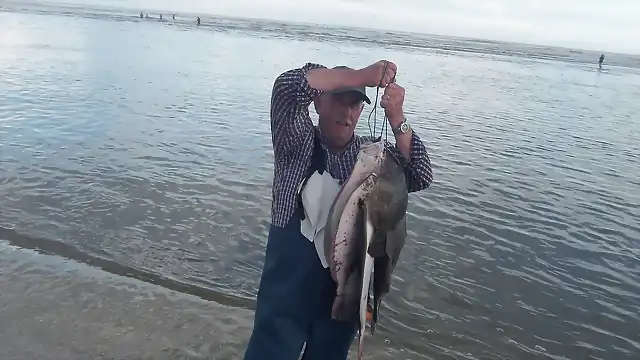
(403, 128)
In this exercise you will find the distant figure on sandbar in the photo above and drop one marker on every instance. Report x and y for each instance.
(601, 61)
(198, 20)
(146, 16)
(160, 16)
(141, 16)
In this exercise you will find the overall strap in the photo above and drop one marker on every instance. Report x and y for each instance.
(318, 163)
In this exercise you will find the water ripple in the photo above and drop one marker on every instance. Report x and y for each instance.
(526, 245)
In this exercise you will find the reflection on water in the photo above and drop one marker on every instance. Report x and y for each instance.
(144, 149)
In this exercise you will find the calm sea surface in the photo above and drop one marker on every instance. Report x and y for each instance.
(143, 148)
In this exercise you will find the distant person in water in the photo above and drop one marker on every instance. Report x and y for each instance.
(174, 16)
(141, 16)
(198, 20)
(160, 16)
(601, 61)
(146, 16)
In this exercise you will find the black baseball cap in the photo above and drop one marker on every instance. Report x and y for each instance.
(360, 90)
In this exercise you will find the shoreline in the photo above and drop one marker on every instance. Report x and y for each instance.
(54, 308)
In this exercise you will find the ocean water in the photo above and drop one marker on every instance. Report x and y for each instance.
(142, 147)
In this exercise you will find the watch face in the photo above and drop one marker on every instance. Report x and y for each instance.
(404, 127)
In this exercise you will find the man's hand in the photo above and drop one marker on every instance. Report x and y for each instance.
(392, 101)
(381, 73)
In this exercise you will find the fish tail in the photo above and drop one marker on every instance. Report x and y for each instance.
(374, 314)
(360, 344)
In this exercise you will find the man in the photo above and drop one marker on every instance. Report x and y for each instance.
(296, 288)
(601, 60)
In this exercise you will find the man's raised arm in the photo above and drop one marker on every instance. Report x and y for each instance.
(295, 89)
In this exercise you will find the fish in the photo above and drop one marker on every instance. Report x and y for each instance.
(365, 233)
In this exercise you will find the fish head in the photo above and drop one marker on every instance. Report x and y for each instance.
(369, 161)
(371, 155)
(380, 158)
(389, 199)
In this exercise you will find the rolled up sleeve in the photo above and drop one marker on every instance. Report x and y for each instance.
(419, 173)
(418, 169)
(290, 99)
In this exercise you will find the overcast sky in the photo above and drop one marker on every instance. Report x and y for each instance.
(611, 25)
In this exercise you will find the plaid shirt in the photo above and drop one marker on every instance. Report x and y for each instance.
(292, 135)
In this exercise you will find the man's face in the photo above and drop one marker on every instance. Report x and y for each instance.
(338, 115)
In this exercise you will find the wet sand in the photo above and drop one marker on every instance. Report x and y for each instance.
(52, 309)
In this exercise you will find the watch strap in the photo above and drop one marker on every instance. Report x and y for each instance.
(403, 126)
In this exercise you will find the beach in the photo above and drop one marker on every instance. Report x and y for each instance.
(135, 189)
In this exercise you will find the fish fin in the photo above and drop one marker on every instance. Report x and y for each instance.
(378, 247)
(396, 238)
(380, 287)
(384, 265)
(375, 315)
(372, 314)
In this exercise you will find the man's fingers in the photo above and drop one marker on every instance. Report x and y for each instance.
(392, 70)
(392, 67)
(386, 80)
(388, 73)
(391, 90)
(391, 87)
(387, 99)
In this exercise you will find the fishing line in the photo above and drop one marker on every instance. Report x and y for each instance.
(374, 111)
(385, 124)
